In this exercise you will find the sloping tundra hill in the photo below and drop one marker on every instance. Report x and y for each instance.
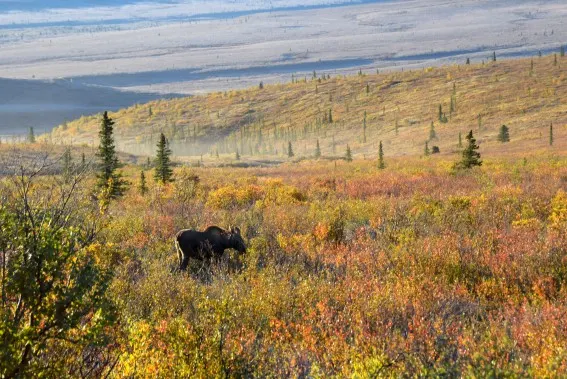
(525, 94)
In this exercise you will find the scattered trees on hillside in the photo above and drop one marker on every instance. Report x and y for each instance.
(110, 181)
(163, 172)
(470, 155)
(504, 134)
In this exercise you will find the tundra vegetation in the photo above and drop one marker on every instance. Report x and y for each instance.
(351, 270)
(451, 264)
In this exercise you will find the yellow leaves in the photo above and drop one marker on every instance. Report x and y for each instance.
(558, 216)
(229, 196)
(527, 218)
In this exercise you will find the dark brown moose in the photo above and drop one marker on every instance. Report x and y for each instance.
(207, 245)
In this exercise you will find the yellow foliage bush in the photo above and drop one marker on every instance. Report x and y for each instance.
(558, 217)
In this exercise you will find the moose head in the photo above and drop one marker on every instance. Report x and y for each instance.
(235, 240)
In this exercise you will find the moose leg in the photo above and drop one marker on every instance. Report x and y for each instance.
(184, 263)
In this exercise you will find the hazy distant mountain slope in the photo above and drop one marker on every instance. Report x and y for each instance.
(399, 107)
(25, 103)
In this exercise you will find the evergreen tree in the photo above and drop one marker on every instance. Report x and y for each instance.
(460, 144)
(290, 153)
(83, 159)
(67, 165)
(364, 128)
(142, 186)
(435, 150)
(317, 150)
(237, 155)
(381, 164)
(504, 134)
(31, 135)
(432, 133)
(551, 134)
(468, 61)
(367, 88)
(330, 116)
(426, 151)
(163, 172)
(348, 154)
(261, 85)
(110, 181)
(442, 117)
(494, 56)
(470, 157)
(562, 51)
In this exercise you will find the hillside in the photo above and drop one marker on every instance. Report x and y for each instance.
(399, 107)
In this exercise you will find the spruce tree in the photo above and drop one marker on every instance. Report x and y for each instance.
(426, 150)
(110, 181)
(494, 56)
(468, 61)
(348, 154)
(290, 153)
(470, 156)
(504, 134)
(31, 135)
(237, 155)
(163, 172)
(67, 165)
(460, 144)
(432, 133)
(317, 150)
(435, 150)
(562, 51)
(330, 119)
(142, 186)
(364, 128)
(551, 134)
(381, 164)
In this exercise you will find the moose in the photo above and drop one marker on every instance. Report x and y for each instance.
(208, 245)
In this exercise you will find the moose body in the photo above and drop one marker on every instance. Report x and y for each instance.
(207, 245)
